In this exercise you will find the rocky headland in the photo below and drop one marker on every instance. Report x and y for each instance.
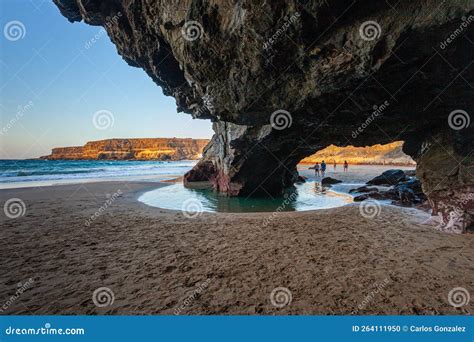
(388, 154)
(282, 79)
(132, 149)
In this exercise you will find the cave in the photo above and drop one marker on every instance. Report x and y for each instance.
(282, 79)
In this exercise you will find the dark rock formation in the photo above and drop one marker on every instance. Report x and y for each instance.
(407, 192)
(329, 181)
(132, 149)
(301, 180)
(382, 195)
(363, 189)
(282, 79)
(388, 178)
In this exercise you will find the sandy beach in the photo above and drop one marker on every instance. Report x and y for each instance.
(157, 261)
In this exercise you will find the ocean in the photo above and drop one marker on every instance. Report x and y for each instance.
(31, 173)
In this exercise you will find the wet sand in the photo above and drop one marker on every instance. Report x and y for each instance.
(156, 261)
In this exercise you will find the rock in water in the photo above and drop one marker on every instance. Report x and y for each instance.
(282, 79)
(389, 177)
(363, 189)
(329, 181)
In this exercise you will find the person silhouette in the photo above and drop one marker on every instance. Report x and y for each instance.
(316, 169)
(323, 168)
(346, 166)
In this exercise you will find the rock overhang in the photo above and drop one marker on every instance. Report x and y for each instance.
(334, 72)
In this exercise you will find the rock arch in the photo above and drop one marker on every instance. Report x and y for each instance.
(347, 72)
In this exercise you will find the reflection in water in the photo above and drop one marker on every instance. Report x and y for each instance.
(307, 196)
(319, 189)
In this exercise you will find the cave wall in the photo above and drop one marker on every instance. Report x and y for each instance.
(282, 79)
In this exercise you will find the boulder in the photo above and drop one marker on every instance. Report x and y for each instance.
(363, 189)
(301, 180)
(330, 181)
(388, 178)
(378, 195)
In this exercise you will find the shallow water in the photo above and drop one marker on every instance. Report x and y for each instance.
(307, 196)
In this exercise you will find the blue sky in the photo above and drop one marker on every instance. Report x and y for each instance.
(53, 80)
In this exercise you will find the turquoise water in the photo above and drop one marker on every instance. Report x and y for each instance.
(307, 196)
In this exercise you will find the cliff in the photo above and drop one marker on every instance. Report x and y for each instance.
(133, 149)
(388, 154)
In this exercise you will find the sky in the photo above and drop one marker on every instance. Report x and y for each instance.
(58, 87)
